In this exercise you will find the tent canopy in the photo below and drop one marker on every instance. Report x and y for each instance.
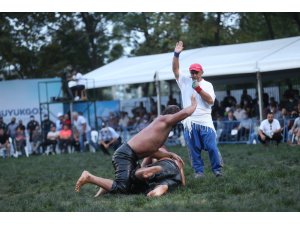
(223, 60)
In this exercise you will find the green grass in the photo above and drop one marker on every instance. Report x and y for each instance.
(255, 179)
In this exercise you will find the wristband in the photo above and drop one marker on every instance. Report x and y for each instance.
(176, 54)
(198, 89)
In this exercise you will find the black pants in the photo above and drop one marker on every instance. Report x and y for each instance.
(276, 137)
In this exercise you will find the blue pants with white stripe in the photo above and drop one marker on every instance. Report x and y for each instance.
(203, 138)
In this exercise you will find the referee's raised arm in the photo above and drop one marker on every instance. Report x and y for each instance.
(175, 64)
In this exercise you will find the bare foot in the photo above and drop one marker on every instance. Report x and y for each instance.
(100, 192)
(83, 179)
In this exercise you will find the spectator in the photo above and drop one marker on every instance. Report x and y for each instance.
(37, 140)
(244, 128)
(51, 141)
(20, 141)
(21, 126)
(239, 113)
(60, 121)
(269, 130)
(123, 124)
(84, 130)
(108, 137)
(4, 143)
(229, 101)
(46, 125)
(294, 132)
(246, 100)
(2, 124)
(65, 139)
(139, 111)
(79, 89)
(67, 120)
(229, 123)
(31, 125)
(11, 131)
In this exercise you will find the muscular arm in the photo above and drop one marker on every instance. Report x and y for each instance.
(182, 114)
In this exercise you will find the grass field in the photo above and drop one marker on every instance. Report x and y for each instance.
(255, 179)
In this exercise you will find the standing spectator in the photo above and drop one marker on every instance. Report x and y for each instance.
(4, 143)
(46, 125)
(2, 124)
(11, 131)
(199, 131)
(67, 120)
(229, 101)
(84, 130)
(31, 125)
(245, 99)
(60, 121)
(269, 130)
(21, 126)
(37, 139)
(108, 137)
(123, 124)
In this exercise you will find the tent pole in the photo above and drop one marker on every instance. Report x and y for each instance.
(260, 95)
(157, 86)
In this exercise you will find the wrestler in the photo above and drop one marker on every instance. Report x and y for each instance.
(146, 143)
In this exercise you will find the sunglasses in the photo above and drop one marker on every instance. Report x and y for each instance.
(194, 72)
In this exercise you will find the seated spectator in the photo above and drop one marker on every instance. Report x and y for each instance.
(229, 123)
(65, 139)
(244, 128)
(294, 132)
(269, 130)
(51, 141)
(60, 121)
(20, 141)
(108, 137)
(4, 143)
(67, 120)
(239, 113)
(142, 123)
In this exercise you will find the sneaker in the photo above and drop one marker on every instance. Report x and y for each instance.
(218, 174)
(199, 175)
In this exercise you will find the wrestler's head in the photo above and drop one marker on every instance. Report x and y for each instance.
(171, 109)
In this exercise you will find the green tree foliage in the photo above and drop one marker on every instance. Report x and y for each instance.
(36, 45)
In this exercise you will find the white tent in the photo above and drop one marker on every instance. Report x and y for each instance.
(223, 60)
(255, 57)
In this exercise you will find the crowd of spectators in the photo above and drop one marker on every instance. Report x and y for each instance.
(234, 122)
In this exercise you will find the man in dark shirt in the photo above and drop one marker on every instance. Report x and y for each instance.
(4, 143)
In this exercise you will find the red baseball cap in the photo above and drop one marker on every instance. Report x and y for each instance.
(196, 67)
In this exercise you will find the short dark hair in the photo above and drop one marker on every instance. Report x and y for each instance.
(171, 109)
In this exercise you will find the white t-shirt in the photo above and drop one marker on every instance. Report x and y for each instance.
(202, 114)
(79, 79)
(79, 122)
(107, 134)
(269, 128)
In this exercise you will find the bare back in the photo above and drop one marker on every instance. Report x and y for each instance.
(151, 138)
